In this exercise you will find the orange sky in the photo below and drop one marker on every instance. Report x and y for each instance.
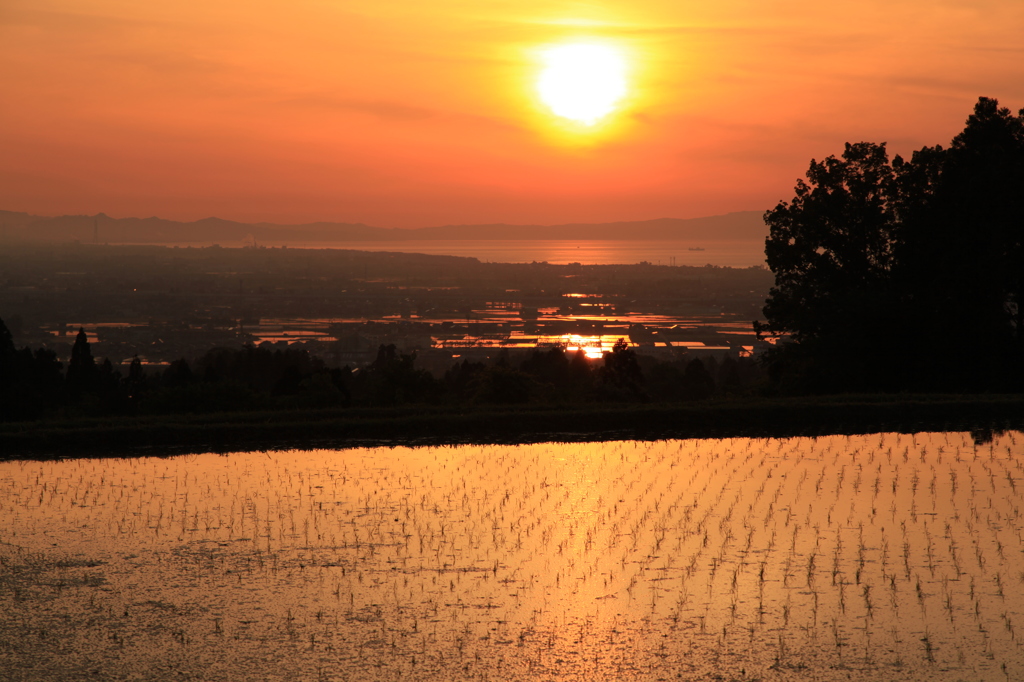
(408, 113)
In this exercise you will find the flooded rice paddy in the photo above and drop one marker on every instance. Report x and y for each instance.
(880, 557)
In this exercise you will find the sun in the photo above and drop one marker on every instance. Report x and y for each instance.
(582, 82)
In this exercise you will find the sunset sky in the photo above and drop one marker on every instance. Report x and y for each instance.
(405, 113)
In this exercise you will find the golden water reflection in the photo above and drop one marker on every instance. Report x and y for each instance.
(871, 557)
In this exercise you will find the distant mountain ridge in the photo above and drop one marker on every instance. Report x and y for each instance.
(101, 228)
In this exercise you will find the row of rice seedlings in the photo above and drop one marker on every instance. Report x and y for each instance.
(605, 523)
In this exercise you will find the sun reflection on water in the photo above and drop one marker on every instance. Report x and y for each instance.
(881, 556)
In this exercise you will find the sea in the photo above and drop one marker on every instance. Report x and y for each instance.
(723, 253)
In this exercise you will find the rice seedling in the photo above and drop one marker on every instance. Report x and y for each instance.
(612, 558)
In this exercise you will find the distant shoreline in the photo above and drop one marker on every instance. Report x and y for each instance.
(743, 226)
(419, 425)
(671, 252)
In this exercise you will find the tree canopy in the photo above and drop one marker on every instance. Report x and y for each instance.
(904, 274)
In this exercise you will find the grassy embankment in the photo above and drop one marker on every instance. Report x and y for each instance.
(336, 428)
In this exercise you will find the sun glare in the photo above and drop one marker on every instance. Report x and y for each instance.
(582, 82)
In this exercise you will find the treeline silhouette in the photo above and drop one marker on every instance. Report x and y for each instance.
(34, 384)
(903, 274)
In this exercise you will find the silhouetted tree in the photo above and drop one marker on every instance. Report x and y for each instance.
(964, 251)
(460, 379)
(178, 373)
(559, 376)
(833, 244)
(621, 377)
(698, 383)
(30, 383)
(581, 374)
(665, 381)
(10, 372)
(82, 371)
(262, 369)
(393, 379)
(882, 266)
(15, 324)
(323, 388)
(45, 385)
(289, 383)
(7, 348)
(135, 372)
(135, 383)
(729, 380)
(550, 366)
(503, 385)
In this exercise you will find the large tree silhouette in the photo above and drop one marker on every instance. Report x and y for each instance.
(963, 267)
(904, 274)
(82, 371)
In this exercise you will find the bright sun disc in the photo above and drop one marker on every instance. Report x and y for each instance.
(582, 82)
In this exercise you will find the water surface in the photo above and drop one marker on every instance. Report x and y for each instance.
(874, 557)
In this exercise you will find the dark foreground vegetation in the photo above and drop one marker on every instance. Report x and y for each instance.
(983, 416)
(904, 274)
(257, 398)
(35, 386)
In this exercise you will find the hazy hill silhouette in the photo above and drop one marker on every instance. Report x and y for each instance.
(741, 226)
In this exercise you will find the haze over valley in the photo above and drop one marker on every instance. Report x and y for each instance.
(745, 227)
